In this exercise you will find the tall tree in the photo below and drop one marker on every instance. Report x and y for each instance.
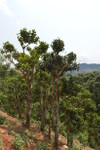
(27, 60)
(56, 65)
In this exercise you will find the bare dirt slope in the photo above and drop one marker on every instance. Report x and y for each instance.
(7, 132)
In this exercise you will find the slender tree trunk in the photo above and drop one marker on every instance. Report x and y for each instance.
(19, 109)
(28, 106)
(50, 122)
(18, 105)
(69, 139)
(51, 109)
(52, 104)
(43, 112)
(69, 135)
(57, 116)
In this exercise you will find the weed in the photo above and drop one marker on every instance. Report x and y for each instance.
(51, 145)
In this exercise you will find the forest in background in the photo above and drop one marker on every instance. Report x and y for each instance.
(38, 86)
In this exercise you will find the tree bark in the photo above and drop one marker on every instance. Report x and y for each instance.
(43, 112)
(52, 104)
(69, 139)
(57, 115)
(28, 106)
(50, 122)
(19, 109)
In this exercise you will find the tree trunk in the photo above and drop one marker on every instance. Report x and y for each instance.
(28, 106)
(19, 108)
(57, 115)
(50, 130)
(52, 105)
(69, 139)
(50, 122)
(43, 112)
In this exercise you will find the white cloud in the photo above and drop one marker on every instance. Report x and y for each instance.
(4, 7)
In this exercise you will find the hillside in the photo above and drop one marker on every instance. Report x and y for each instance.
(9, 127)
(34, 136)
(89, 67)
(84, 67)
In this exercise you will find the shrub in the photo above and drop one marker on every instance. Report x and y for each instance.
(24, 136)
(42, 146)
(2, 120)
(83, 138)
(18, 142)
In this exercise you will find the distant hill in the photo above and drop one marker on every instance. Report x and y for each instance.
(84, 67)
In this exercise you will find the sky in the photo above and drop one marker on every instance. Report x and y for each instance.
(76, 22)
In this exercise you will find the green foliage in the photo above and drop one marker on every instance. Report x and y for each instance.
(91, 81)
(94, 130)
(83, 138)
(57, 45)
(42, 146)
(9, 48)
(2, 120)
(24, 136)
(16, 92)
(43, 83)
(51, 145)
(10, 127)
(74, 111)
(18, 142)
(29, 37)
(26, 61)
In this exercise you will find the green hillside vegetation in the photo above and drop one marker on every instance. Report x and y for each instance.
(36, 89)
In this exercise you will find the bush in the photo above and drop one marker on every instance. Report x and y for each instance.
(24, 136)
(2, 120)
(18, 142)
(42, 146)
(83, 138)
(92, 142)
